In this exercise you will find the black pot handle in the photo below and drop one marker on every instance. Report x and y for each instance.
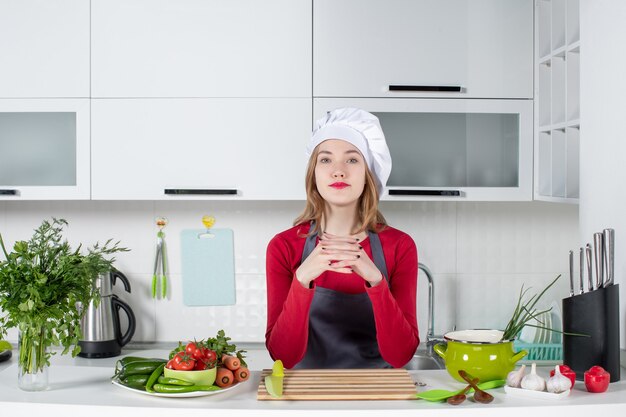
(125, 338)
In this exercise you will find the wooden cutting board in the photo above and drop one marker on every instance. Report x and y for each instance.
(343, 384)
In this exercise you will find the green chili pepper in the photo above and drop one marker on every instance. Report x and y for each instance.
(139, 368)
(154, 376)
(179, 389)
(173, 381)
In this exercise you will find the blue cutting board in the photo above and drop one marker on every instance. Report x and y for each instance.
(208, 268)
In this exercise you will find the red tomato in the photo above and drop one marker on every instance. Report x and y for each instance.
(191, 348)
(170, 364)
(566, 371)
(210, 356)
(183, 362)
(597, 379)
(200, 366)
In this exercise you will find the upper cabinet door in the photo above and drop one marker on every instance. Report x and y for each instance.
(210, 148)
(44, 48)
(44, 149)
(427, 48)
(201, 48)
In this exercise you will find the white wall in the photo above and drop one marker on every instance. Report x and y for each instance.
(480, 254)
(603, 142)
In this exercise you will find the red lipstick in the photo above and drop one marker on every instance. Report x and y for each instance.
(339, 185)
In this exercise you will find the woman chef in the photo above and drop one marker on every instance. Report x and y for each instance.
(341, 283)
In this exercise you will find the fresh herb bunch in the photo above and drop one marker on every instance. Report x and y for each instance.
(524, 312)
(41, 282)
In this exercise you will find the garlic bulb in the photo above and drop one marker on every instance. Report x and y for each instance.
(514, 378)
(533, 381)
(559, 382)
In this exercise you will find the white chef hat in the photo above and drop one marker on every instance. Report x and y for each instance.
(362, 129)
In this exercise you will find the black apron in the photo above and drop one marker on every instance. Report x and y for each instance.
(342, 332)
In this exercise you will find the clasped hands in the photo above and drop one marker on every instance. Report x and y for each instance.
(343, 254)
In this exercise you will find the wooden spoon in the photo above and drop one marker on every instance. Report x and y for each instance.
(460, 397)
(479, 395)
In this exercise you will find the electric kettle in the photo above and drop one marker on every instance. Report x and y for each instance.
(102, 335)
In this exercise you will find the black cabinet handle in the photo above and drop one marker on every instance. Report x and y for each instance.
(423, 88)
(440, 193)
(9, 192)
(200, 191)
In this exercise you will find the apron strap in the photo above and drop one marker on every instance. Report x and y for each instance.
(377, 250)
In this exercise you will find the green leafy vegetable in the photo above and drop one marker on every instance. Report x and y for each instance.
(41, 283)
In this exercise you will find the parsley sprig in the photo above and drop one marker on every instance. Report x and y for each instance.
(41, 282)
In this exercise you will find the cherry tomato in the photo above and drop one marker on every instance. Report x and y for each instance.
(200, 366)
(209, 355)
(597, 379)
(566, 371)
(191, 349)
(170, 364)
(183, 362)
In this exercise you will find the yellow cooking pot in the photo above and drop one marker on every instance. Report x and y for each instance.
(481, 353)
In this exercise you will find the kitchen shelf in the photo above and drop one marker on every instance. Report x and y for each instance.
(557, 98)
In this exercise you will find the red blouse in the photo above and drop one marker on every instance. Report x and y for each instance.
(394, 305)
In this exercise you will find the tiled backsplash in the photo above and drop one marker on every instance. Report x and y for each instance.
(480, 255)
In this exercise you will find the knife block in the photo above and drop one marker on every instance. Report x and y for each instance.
(595, 314)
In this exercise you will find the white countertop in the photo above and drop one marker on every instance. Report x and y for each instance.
(83, 386)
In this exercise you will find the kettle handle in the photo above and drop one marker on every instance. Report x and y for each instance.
(117, 304)
(117, 274)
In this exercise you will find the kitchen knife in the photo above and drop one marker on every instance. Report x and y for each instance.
(609, 255)
(598, 246)
(581, 274)
(589, 268)
(571, 273)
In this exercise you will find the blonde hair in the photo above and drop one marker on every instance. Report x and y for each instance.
(370, 218)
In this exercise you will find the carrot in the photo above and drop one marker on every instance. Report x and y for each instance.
(231, 362)
(241, 374)
(224, 377)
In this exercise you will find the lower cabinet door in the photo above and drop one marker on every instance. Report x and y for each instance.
(162, 149)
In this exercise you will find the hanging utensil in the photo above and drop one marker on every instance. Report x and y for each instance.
(609, 255)
(598, 246)
(159, 277)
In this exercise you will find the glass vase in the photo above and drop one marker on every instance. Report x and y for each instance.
(32, 365)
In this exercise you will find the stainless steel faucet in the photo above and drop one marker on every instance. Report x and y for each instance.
(431, 340)
(430, 333)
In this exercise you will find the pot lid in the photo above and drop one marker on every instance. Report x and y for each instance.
(475, 336)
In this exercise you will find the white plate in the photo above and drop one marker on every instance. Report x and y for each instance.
(115, 381)
(547, 323)
(541, 395)
(528, 333)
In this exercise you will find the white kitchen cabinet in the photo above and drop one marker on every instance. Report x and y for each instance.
(424, 48)
(201, 48)
(557, 110)
(242, 149)
(44, 149)
(452, 149)
(44, 48)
